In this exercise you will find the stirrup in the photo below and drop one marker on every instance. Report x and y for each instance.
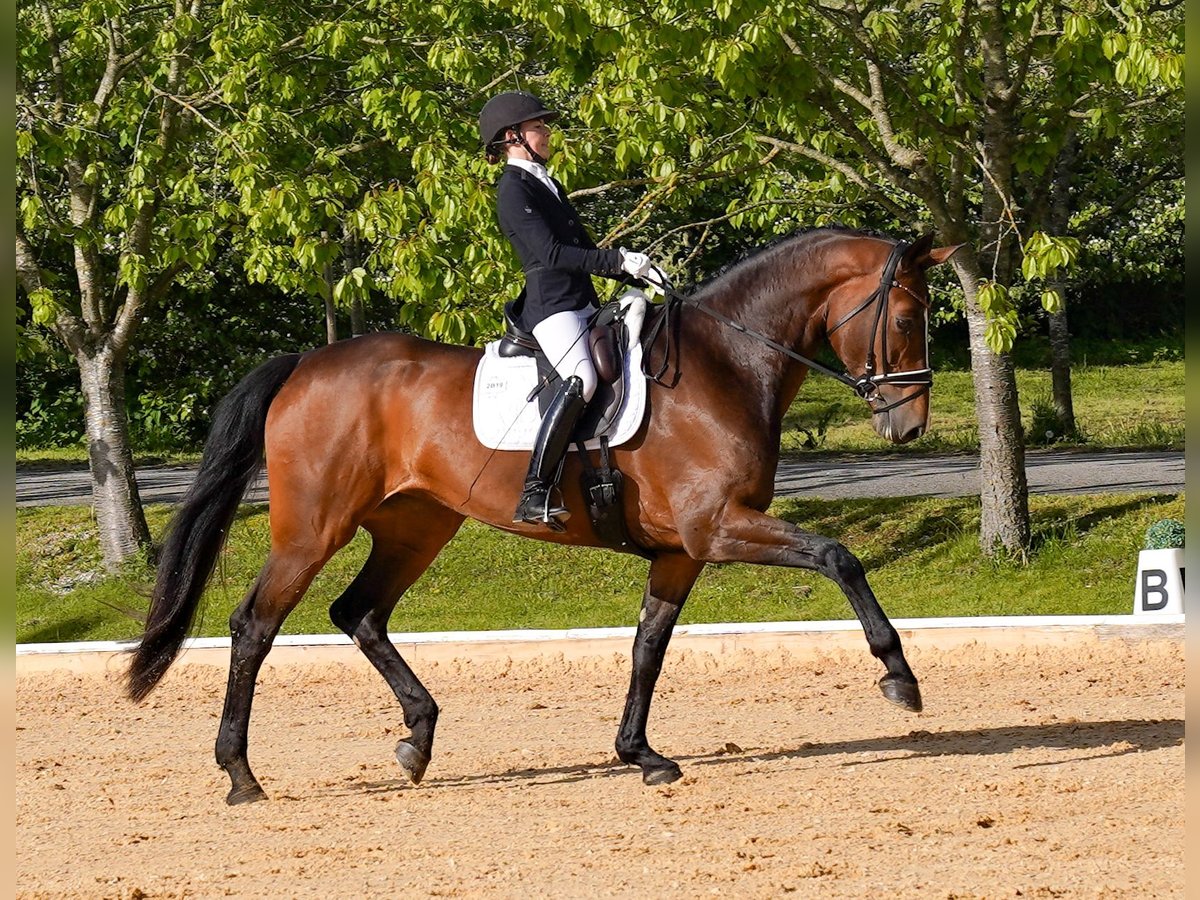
(534, 509)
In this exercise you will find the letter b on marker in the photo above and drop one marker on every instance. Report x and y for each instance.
(1154, 595)
(1158, 587)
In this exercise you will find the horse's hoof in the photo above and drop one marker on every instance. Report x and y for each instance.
(902, 692)
(250, 793)
(412, 761)
(662, 775)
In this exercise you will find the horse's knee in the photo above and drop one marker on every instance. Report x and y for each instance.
(843, 563)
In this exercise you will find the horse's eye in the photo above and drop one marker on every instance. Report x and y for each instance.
(904, 324)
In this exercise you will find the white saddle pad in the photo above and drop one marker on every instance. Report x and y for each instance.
(505, 421)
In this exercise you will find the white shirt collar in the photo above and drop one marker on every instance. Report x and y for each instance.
(538, 171)
(535, 169)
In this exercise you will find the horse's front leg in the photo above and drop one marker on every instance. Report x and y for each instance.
(671, 578)
(746, 535)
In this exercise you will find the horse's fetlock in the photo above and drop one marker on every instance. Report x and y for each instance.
(421, 711)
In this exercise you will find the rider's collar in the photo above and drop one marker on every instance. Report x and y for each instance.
(537, 170)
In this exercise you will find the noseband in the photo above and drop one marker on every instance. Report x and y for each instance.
(866, 385)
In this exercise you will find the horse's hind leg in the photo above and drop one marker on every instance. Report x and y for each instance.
(283, 580)
(405, 543)
(671, 578)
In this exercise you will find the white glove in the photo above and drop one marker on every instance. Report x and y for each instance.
(639, 265)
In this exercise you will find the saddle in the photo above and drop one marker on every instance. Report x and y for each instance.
(608, 343)
(616, 354)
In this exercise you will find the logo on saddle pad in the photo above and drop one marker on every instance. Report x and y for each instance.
(506, 419)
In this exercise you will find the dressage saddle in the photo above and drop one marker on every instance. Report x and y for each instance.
(607, 343)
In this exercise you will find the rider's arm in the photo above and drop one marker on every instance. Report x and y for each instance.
(524, 224)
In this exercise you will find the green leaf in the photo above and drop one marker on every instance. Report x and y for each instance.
(999, 335)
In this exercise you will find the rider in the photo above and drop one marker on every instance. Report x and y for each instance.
(558, 257)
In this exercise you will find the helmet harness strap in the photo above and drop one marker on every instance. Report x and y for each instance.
(521, 141)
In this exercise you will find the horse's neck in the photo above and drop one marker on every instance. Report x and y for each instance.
(783, 305)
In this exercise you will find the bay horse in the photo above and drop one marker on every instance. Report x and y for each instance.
(376, 433)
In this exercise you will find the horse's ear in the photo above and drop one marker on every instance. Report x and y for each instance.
(922, 254)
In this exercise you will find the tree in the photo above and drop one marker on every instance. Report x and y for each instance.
(111, 206)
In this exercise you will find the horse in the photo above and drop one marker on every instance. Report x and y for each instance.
(376, 433)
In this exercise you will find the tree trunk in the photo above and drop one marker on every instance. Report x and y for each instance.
(1060, 337)
(1004, 491)
(331, 334)
(1060, 367)
(358, 314)
(116, 504)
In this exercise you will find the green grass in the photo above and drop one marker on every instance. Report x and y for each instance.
(1115, 407)
(921, 556)
(74, 455)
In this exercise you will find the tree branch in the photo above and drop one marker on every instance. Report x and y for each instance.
(883, 165)
(837, 165)
(680, 178)
(136, 304)
(56, 67)
(708, 223)
(112, 73)
(139, 234)
(28, 271)
(356, 147)
(199, 115)
(70, 330)
(842, 85)
(1101, 219)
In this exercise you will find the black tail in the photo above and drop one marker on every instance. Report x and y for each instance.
(232, 457)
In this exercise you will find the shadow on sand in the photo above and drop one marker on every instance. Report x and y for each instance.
(1119, 737)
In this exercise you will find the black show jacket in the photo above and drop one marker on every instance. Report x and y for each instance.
(556, 251)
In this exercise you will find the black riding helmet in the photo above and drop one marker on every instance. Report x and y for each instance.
(507, 110)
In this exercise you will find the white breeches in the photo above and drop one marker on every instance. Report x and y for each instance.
(564, 340)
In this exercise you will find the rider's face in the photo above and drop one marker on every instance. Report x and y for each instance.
(537, 135)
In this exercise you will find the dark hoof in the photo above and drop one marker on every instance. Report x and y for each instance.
(662, 775)
(902, 692)
(249, 794)
(412, 761)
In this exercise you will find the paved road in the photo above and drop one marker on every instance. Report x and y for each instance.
(900, 475)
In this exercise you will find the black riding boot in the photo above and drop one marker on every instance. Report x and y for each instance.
(545, 465)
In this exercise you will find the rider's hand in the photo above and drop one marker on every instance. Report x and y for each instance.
(639, 265)
(656, 277)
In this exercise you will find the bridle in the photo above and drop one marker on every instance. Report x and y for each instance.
(865, 385)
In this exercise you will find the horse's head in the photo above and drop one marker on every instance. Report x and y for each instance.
(878, 324)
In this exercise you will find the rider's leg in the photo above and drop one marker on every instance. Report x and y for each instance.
(563, 338)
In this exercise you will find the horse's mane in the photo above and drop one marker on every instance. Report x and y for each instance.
(777, 242)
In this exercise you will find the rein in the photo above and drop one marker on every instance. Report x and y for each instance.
(866, 385)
